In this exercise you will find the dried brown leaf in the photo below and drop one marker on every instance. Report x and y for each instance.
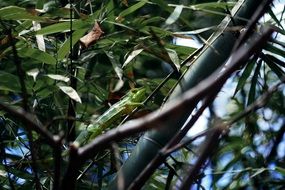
(93, 36)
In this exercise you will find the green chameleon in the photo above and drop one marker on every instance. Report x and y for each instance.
(125, 106)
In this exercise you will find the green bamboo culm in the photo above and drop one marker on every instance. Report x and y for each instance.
(211, 58)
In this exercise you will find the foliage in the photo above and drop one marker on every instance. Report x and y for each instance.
(62, 81)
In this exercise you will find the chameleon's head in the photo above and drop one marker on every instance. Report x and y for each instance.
(138, 94)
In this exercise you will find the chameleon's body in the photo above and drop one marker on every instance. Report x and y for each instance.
(125, 106)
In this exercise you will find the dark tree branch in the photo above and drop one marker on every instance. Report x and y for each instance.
(213, 138)
(171, 111)
(31, 123)
(163, 153)
(20, 71)
(206, 151)
(25, 105)
(57, 164)
(261, 9)
(69, 180)
(71, 112)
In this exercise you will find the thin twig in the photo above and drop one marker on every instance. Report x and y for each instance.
(260, 102)
(261, 9)
(120, 180)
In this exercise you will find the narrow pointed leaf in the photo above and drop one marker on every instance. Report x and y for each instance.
(36, 54)
(275, 50)
(58, 77)
(62, 27)
(65, 48)
(71, 93)
(133, 8)
(243, 78)
(275, 68)
(280, 170)
(9, 82)
(131, 56)
(116, 66)
(174, 58)
(273, 16)
(252, 91)
(276, 60)
(174, 15)
(17, 13)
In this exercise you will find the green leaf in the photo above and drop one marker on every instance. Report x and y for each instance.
(213, 5)
(246, 73)
(36, 54)
(252, 90)
(273, 16)
(275, 50)
(33, 73)
(131, 56)
(23, 26)
(63, 27)
(58, 77)
(275, 68)
(275, 60)
(174, 58)
(174, 15)
(17, 13)
(182, 51)
(117, 68)
(9, 82)
(280, 170)
(133, 8)
(258, 172)
(65, 48)
(71, 93)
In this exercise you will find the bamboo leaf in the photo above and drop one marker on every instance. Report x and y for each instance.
(275, 50)
(131, 56)
(71, 93)
(252, 90)
(273, 16)
(214, 5)
(258, 172)
(246, 73)
(174, 15)
(9, 82)
(33, 73)
(17, 13)
(65, 48)
(116, 66)
(174, 58)
(276, 60)
(280, 170)
(36, 54)
(132, 8)
(275, 68)
(58, 77)
(62, 27)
